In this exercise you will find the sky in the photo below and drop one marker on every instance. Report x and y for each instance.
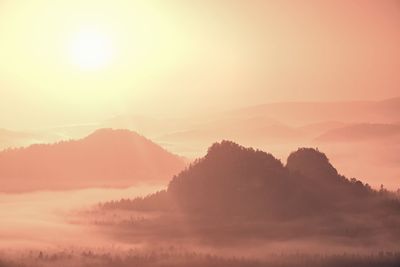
(71, 62)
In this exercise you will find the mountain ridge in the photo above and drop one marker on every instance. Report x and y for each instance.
(230, 172)
(235, 194)
(107, 157)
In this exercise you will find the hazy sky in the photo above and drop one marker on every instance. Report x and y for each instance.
(78, 61)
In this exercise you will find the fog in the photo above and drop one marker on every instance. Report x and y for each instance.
(69, 228)
(44, 219)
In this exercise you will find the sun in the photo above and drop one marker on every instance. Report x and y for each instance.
(90, 49)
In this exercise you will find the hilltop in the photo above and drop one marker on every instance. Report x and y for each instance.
(105, 158)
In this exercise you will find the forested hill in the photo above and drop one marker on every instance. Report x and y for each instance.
(105, 158)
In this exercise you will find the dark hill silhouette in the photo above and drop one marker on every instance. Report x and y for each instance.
(115, 158)
(254, 194)
(231, 178)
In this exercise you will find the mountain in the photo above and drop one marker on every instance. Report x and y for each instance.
(236, 194)
(257, 129)
(111, 158)
(360, 132)
(295, 113)
(315, 129)
(231, 178)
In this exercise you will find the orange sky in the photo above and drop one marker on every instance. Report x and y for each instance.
(175, 57)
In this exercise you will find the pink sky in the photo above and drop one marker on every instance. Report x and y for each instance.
(167, 57)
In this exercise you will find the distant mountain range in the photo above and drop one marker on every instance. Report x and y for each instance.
(272, 122)
(354, 133)
(111, 158)
(361, 132)
(293, 113)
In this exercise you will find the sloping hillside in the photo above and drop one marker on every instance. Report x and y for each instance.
(115, 158)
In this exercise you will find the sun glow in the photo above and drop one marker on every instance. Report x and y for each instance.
(91, 49)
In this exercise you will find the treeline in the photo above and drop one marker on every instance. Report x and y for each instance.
(165, 258)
